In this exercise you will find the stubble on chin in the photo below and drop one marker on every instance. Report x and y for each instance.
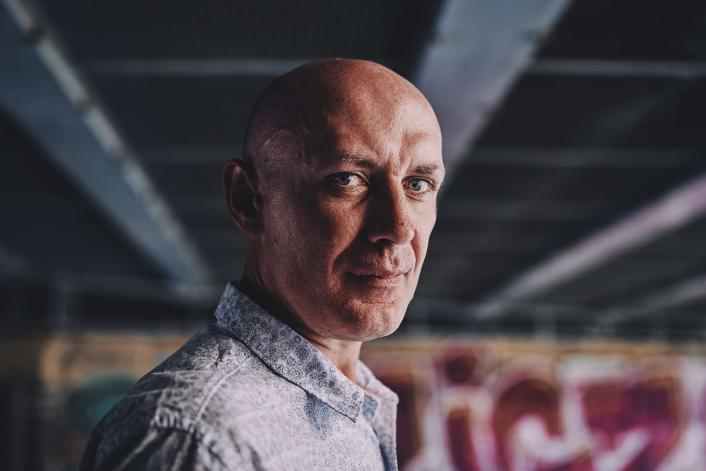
(367, 321)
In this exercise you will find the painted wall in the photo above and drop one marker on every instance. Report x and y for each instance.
(464, 404)
(544, 406)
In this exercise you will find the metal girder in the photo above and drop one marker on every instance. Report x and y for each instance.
(465, 311)
(274, 67)
(13, 263)
(192, 293)
(480, 48)
(520, 209)
(683, 292)
(43, 93)
(188, 155)
(194, 67)
(618, 68)
(670, 212)
(585, 158)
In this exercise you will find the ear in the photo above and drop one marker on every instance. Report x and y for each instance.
(241, 195)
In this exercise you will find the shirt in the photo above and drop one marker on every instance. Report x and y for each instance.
(248, 392)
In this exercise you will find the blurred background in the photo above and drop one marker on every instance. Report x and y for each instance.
(558, 322)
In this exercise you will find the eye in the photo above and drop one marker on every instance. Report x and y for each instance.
(418, 185)
(348, 180)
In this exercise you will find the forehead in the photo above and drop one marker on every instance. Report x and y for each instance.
(394, 133)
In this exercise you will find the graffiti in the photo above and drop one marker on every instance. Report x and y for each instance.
(473, 408)
(464, 405)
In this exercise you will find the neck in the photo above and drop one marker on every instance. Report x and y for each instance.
(343, 354)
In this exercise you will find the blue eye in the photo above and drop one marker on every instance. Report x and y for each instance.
(346, 180)
(343, 179)
(419, 185)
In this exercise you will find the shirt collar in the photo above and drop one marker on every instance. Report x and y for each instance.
(373, 385)
(293, 357)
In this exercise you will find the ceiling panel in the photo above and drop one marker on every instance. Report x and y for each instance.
(389, 32)
(50, 222)
(600, 112)
(631, 30)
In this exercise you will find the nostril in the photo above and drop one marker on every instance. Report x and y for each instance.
(397, 233)
(390, 219)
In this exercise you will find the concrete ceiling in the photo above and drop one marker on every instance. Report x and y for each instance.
(574, 134)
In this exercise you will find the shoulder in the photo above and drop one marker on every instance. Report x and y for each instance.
(156, 448)
(186, 394)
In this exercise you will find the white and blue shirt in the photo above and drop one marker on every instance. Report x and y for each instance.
(248, 393)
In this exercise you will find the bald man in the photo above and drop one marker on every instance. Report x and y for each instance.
(336, 196)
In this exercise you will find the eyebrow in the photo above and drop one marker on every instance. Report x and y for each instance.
(365, 162)
(428, 169)
(359, 161)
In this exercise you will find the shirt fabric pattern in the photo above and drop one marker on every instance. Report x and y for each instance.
(248, 392)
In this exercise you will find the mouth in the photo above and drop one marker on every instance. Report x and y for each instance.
(378, 278)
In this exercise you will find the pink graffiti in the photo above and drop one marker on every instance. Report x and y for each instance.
(459, 411)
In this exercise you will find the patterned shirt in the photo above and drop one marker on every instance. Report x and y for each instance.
(248, 392)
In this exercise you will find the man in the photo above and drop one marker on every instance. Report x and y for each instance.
(337, 198)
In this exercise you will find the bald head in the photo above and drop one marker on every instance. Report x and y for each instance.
(295, 112)
(338, 197)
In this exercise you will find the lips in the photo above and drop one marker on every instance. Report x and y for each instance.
(380, 272)
(374, 281)
(378, 277)
(377, 273)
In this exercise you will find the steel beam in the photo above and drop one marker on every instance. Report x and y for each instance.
(41, 90)
(13, 263)
(585, 158)
(194, 67)
(188, 155)
(613, 68)
(520, 209)
(192, 293)
(214, 67)
(480, 48)
(684, 292)
(667, 214)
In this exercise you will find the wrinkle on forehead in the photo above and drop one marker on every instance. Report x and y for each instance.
(283, 145)
(403, 142)
(306, 108)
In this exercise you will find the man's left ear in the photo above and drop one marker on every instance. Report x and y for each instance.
(241, 195)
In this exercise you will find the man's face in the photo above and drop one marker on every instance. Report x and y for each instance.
(347, 221)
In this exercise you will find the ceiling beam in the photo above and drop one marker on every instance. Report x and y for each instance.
(13, 263)
(667, 214)
(480, 49)
(613, 68)
(108, 285)
(190, 154)
(683, 292)
(567, 157)
(446, 309)
(195, 67)
(44, 94)
(521, 209)
(563, 157)
(214, 67)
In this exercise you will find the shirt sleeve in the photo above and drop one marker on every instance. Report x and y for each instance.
(155, 449)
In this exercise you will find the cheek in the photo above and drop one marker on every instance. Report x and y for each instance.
(317, 233)
(333, 225)
(424, 225)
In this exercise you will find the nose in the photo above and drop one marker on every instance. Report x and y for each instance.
(390, 217)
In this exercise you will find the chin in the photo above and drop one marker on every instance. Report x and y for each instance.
(367, 321)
